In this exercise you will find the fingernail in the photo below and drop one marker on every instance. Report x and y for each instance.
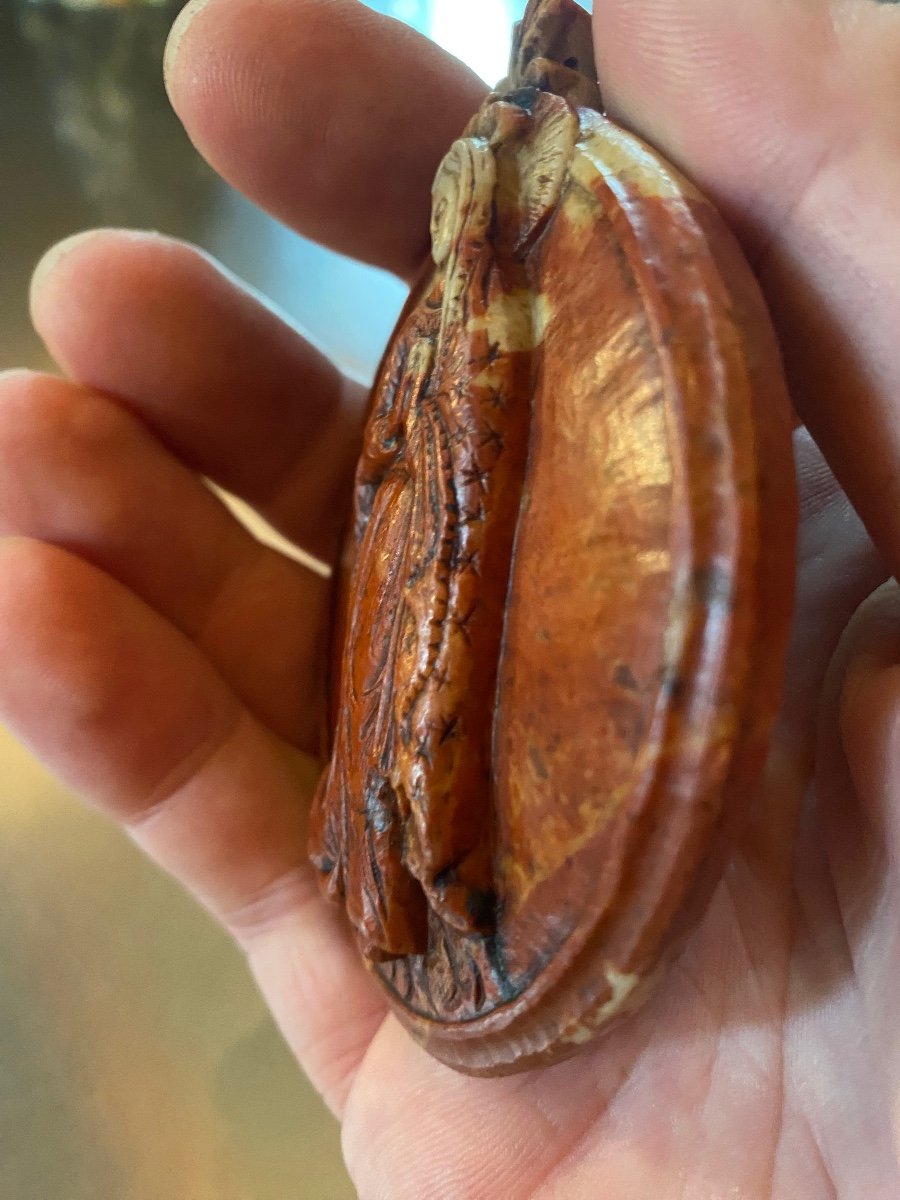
(54, 256)
(176, 36)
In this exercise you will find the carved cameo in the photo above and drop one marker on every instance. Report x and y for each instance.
(567, 586)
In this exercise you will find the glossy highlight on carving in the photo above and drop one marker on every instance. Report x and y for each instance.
(563, 610)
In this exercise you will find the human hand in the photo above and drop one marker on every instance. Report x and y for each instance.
(163, 663)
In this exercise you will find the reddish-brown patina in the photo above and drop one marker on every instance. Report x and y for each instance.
(566, 592)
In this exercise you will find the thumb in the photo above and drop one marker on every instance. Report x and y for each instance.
(720, 89)
(778, 110)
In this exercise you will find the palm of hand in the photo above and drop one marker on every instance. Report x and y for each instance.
(765, 1064)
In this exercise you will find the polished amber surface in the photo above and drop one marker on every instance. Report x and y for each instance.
(567, 584)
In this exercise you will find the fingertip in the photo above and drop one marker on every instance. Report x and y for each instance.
(15, 379)
(73, 261)
(221, 378)
(50, 262)
(104, 283)
(177, 35)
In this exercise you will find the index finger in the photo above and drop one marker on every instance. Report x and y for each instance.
(331, 116)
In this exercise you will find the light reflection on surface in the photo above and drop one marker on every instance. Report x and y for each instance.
(451, 24)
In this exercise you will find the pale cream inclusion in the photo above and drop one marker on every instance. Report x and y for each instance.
(516, 320)
(626, 993)
(464, 193)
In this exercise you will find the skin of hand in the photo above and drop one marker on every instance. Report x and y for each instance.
(163, 663)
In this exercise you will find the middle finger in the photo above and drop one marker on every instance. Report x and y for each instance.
(226, 384)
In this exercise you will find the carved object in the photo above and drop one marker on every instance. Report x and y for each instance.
(563, 608)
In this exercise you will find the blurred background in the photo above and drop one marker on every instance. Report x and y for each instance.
(136, 1061)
